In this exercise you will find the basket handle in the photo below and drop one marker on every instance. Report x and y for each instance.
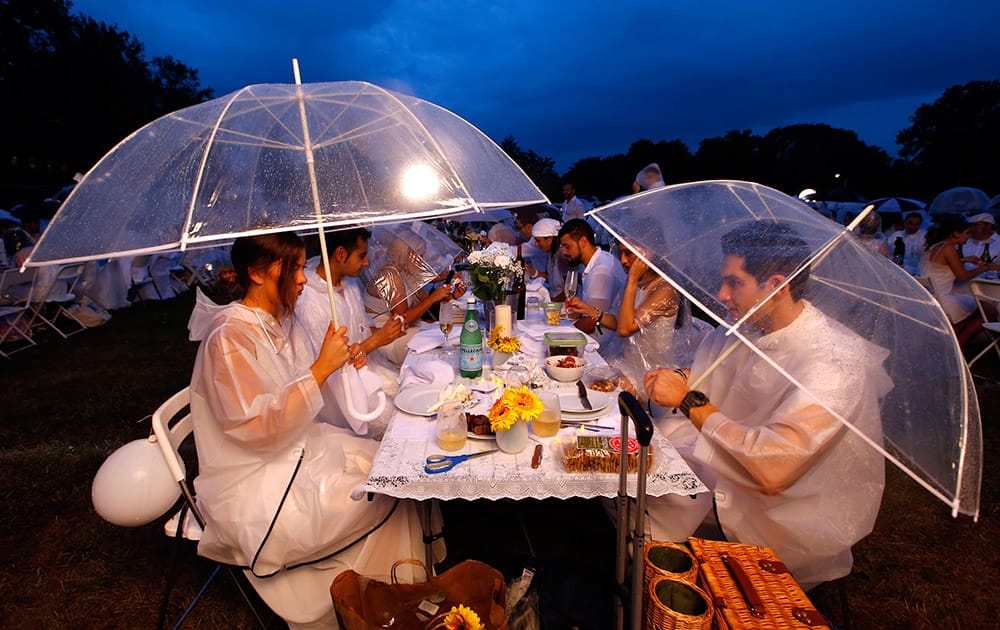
(398, 563)
(754, 603)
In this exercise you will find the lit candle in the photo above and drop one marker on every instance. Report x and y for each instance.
(503, 319)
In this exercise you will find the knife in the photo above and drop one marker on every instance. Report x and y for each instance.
(584, 399)
(536, 458)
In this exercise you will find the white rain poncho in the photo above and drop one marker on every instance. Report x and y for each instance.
(650, 177)
(790, 475)
(312, 313)
(254, 403)
(659, 342)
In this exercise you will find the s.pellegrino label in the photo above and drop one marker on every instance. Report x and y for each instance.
(470, 344)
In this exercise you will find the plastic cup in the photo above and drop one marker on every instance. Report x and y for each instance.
(547, 424)
(451, 429)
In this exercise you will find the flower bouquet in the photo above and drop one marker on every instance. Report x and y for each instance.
(499, 343)
(509, 418)
(492, 269)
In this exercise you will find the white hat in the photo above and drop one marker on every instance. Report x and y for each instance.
(544, 228)
(985, 217)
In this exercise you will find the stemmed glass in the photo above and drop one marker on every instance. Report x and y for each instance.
(570, 284)
(446, 321)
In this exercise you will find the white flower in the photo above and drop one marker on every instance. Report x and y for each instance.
(502, 260)
(475, 257)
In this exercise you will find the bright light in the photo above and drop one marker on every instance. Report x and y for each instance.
(420, 182)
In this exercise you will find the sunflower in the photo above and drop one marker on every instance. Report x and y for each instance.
(463, 618)
(502, 416)
(523, 402)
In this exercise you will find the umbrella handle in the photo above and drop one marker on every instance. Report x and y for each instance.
(353, 411)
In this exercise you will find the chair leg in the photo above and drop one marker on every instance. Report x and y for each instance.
(240, 582)
(171, 578)
(994, 342)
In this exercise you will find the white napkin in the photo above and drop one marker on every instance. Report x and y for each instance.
(426, 372)
(362, 384)
(519, 359)
(428, 338)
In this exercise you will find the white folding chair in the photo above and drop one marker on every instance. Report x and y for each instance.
(987, 292)
(13, 325)
(172, 425)
(142, 278)
(58, 293)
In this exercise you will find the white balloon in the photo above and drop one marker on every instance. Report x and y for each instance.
(134, 486)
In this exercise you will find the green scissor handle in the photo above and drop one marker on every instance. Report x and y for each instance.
(442, 463)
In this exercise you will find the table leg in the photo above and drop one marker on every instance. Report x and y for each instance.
(427, 527)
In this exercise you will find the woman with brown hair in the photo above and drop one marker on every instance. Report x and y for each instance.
(279, 489)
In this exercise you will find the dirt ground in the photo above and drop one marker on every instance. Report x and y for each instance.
(68, 404)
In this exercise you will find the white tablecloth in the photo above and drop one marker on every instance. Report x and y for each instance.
(398, 467)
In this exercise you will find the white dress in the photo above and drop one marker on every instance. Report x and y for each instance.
(785, 472)
(254, 404)
(957, 305)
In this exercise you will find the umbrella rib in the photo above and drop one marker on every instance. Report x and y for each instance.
(356, 132)
(732, 189)
(201, 167)
(271, 113)
(882, 306)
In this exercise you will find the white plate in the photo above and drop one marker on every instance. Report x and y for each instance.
(417, 400)
(570, 402)
(476, 436)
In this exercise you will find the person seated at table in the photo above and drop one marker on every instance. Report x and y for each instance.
(386, 297)
(545, 233)
(869, 232)
(982, 237)
(501, 233)
(279, 489)
(948, 275)
(524, 221)
(785, 472)
(655, 322)
(348, 255)
(601, 281)
(914, 241)
(648, 178)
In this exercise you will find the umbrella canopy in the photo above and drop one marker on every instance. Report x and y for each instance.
(994, 204)
(404, 258)
(929, 425)
(266, 157)
(902, 205)
(961, 200)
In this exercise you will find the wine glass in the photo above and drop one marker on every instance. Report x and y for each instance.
(570, 284)
(446, 320)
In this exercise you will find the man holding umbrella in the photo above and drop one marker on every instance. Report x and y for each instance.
(786, 472)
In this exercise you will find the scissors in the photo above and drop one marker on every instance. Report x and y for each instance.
(442, 463)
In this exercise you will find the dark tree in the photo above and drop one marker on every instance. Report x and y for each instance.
(541, 169)
(955, 141)
(736, 155)
(70, 89)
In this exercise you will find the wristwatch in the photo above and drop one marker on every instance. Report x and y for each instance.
(691, 400)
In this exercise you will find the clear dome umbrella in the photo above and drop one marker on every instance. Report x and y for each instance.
(404, 258)
(277, 157)
(960, 200)
(928, 420)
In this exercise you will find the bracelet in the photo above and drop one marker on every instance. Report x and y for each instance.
(600, 316)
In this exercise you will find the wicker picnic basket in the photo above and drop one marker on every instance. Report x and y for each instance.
(675, 604)
(670, 560)
(751, 588)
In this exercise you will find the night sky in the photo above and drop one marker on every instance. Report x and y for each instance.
(576, 79)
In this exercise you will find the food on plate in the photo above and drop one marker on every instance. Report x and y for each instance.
(566, 362)
(478, 424)
(453, 393)
(603, 385)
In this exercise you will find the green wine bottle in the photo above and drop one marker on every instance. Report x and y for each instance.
(470, 344)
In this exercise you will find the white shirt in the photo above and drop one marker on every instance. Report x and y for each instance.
(602, 282)
(573, 209)
(790, 475)
(914, 248)
(973, 247)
